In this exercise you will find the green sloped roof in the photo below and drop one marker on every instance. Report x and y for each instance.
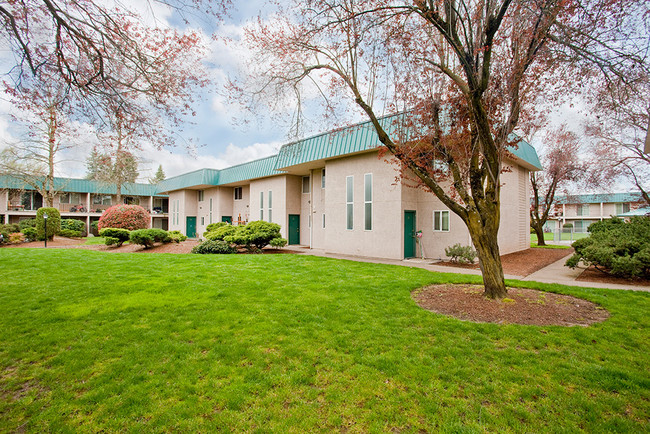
(363, 137)
(76, 185)
(636, 212)
(197, 177)
(251, 170)
(598, 198)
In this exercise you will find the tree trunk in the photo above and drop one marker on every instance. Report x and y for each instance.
(487, 246)
(539, 231)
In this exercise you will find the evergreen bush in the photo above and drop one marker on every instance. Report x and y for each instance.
(218, 233)
(255, 235)
(618, 248)
(53, 223)
(30, 233)
(27, 223)
(69, 233)
(214, 247)
(115, 236)
(131, 217)
(73, 225)
(147, 237)
(212, 226)
(177, 236)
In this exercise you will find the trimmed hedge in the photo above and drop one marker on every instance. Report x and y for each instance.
(27, 223)
(30, 233)
(617, 248)
(147, 237)
(53, 223)
(131, 217)
(214, 247)
(115, 236)
(69, 233)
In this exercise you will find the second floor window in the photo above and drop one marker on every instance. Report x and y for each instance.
(238, 193)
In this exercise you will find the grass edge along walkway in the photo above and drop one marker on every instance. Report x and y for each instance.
(96, 341)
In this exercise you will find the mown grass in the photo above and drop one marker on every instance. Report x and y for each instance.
(566, 236)
(549, 246)
(94, 341)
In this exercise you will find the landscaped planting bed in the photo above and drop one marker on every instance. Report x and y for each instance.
(93, 341)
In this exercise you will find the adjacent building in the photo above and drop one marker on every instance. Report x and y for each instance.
(333, 191)
(584, 209)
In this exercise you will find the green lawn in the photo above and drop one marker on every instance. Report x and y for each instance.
(548, 236)
(95, 341)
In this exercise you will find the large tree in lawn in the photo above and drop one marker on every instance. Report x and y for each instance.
(464, 75)
(562, 166)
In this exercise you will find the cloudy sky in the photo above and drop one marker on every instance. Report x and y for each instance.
(225, 135)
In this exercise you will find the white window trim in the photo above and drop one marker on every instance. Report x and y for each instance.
(372, 193)
(448, 220)
(234, 193)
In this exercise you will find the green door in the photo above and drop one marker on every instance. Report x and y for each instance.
(227, 219)
(409, 234)
(190, 227)
(294, 229)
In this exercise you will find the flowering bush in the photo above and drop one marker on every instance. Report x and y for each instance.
(131, 217)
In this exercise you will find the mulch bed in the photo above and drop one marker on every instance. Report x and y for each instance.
(524, 262)
(522, 306)
(591, 274)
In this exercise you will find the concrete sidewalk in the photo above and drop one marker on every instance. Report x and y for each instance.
(556, 273)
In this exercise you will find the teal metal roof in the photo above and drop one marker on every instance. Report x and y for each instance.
(598, 198)
(525, 151)
(636, 212)
(251, 170)
(190, 179)
(75, 185)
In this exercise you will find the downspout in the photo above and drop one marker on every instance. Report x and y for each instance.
(311, 208)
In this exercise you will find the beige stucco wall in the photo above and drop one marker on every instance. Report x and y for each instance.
(383, 240)
(242, 206)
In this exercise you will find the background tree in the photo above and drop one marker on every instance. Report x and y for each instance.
(43, 110)
(463, 74)
(116, 168)
(619, 128)
(84, 41)
(562, 166)
(159, 176)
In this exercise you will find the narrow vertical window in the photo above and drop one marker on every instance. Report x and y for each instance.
(323, 220)
(200, 194)
(210, 210)
(367, 201)
(305, 184)
(441, 221)
(261, 205)
(202, 221)
(238, 193)
(349, 201)
(322, 179)
(270, 206)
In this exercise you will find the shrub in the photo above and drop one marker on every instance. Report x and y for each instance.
(73, 225)
(131, 217)
(212, 226)
(53, 223)
(16, 238)
(115, 236)
(605, 225)
(214, 246)
(256, 234)
(461, 254)
(4, 231)
(93, 227)
(30, 233)
(147, 237)
(278, 243)
(220, 232)
(69, 233)
(27, 223)
(617, 248)
(177, 236)
(568, 226)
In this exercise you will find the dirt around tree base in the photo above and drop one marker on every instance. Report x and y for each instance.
(591, 274)
(522, 263)
(522, 306)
